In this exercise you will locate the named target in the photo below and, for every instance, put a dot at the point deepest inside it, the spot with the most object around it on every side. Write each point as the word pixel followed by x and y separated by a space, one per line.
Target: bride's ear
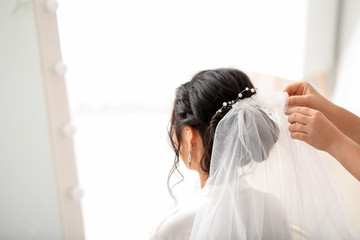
pixel 189 137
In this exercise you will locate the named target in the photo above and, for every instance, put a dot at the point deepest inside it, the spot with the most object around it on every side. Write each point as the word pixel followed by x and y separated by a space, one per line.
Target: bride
pixel 257 182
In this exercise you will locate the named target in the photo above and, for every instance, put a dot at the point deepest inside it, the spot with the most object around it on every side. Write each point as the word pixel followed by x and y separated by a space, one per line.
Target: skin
pixel 303 94
pixel 325 126
pixel 192 140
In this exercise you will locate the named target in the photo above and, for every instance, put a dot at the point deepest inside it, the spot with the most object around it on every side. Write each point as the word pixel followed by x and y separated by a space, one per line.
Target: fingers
pixel 301 100
pixel 297 127
pixel 298 118
pixel 300 136
pixel 303 110
pixel 296 88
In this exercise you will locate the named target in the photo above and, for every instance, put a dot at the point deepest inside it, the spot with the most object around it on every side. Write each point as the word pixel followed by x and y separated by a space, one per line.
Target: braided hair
pixel 196 105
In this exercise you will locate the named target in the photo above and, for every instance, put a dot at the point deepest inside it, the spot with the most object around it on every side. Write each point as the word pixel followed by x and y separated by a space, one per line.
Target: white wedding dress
pixel 179 224
pixel 262 184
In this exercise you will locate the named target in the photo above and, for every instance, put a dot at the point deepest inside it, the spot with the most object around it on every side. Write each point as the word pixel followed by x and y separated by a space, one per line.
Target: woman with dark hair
pixel 257 183
pixel 195 117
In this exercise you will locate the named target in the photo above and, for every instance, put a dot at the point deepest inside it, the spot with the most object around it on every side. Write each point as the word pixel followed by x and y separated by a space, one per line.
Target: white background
pixel 125 60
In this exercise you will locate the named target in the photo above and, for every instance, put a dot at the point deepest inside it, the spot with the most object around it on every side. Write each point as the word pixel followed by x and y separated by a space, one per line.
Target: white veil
pixel 264 185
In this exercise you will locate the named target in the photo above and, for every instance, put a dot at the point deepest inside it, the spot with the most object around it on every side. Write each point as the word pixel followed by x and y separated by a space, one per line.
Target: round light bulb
pixel 68 130
pixel 52 5
pixel 60 68
pixel 76 193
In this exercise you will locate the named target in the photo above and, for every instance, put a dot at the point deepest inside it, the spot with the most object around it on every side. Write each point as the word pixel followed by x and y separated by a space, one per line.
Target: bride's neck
pixel 203 178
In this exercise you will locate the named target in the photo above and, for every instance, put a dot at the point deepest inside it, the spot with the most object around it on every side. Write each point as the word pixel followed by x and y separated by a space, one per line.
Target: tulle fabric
pixel 264 185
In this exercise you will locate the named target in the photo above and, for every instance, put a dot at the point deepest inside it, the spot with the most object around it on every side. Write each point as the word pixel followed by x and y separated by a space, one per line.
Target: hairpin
pixel 230 103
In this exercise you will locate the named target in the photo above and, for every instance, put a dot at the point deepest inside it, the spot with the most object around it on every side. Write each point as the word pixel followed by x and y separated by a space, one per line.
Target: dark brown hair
pixel 196 104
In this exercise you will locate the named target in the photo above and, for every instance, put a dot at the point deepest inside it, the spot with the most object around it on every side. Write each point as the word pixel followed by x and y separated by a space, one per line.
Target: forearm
pixel 345 121
pixel 347 152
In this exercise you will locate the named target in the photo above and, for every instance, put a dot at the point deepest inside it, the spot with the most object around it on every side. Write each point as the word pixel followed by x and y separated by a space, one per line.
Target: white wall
pixel 29 208
pixel 321 29
pixel 346 92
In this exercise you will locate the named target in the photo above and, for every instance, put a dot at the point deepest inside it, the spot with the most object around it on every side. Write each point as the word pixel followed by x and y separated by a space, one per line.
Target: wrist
pixel 346 152
pixel 330 111
pixel 338 146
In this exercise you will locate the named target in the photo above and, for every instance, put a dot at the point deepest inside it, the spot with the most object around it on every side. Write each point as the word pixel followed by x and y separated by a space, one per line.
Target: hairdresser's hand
pixel 303 94
pixel 312 127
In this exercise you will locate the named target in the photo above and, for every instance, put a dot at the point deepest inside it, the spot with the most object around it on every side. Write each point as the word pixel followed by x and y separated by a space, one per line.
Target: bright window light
pixel 125 60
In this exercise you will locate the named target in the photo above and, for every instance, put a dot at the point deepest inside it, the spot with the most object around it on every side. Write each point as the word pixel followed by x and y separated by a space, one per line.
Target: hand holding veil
pixel 264 185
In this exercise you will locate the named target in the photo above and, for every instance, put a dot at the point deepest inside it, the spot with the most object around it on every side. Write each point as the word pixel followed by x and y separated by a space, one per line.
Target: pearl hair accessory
pixel 230 103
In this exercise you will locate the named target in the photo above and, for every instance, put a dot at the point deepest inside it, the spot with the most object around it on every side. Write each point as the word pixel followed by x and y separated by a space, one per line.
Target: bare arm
pixel 345 121
pixel 347 152
pixel 303 94
pixel 312 127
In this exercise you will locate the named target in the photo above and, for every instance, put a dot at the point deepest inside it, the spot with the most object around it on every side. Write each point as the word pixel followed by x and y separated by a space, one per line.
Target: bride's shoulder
pixel 177 225
pixel 268 200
